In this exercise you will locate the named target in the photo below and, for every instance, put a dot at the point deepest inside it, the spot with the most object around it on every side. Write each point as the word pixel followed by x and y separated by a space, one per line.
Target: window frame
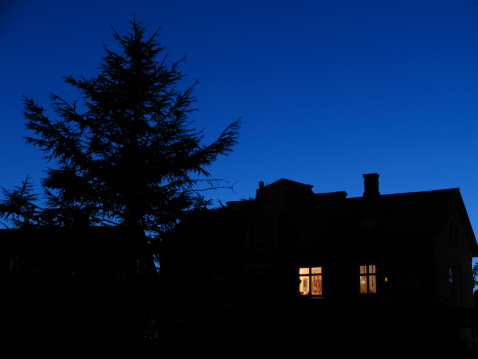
pixel 319 272
pixel 368 278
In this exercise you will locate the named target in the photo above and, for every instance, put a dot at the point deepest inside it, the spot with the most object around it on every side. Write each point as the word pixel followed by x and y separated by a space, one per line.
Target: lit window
pixel 368 279
pixel 310 281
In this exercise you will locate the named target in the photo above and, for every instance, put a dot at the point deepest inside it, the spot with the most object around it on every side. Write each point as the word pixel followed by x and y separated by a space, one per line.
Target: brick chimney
pixel 371 185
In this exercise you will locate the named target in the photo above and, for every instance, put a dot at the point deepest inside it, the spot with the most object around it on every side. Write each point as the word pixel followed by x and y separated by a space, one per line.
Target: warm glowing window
pixel 368 279
pixel 310 280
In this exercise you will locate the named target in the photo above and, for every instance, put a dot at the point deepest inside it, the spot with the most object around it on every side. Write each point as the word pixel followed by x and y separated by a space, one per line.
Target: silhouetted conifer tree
pixel 19 206
pixel 126 153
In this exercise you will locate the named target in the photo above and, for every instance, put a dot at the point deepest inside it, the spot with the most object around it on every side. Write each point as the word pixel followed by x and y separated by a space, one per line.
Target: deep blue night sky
pixel 328 90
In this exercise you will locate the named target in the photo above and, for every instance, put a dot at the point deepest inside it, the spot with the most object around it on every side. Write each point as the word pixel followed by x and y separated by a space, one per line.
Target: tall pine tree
pixel 129 154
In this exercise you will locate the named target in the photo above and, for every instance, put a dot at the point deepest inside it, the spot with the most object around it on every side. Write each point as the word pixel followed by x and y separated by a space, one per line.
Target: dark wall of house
pixel 236 268
pixel 452 251
pixel 64 293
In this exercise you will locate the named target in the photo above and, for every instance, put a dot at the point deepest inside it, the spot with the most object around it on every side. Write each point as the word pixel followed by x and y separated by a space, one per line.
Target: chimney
pixel 371 185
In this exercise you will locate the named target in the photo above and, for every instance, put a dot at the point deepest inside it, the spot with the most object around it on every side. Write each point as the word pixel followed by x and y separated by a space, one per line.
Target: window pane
pixel 363 284
pixel 317 285
pixel 373 284
pixel 304 271
pixel 310 284
pixel 368 279
pixel 304 285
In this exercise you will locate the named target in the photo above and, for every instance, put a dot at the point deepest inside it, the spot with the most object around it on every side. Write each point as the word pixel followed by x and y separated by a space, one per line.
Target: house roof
pixel 417 217
pixel 412 215
pixel 284 189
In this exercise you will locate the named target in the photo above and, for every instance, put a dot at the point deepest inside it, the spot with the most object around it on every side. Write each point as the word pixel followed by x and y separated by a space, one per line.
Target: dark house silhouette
pixel 303 274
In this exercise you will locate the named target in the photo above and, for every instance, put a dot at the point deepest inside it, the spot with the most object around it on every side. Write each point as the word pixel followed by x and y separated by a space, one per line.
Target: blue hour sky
pixel 328 89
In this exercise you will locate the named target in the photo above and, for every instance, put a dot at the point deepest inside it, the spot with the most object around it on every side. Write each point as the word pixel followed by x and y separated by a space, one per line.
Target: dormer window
pixel 310 281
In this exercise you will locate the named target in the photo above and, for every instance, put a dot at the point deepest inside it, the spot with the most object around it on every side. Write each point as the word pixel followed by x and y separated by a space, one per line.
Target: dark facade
pixel 304 273
pixel 67 292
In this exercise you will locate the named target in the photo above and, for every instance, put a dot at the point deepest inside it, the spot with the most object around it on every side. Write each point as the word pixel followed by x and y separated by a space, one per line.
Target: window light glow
pixel 368 279
pixel 304 271
pixel 310 281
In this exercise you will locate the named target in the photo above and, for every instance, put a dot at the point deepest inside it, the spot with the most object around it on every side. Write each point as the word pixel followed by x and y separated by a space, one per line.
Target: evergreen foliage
pixel 127 152
pixel 19 206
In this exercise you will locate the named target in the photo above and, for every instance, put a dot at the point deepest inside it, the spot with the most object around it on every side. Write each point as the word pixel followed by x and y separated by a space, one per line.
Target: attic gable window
pixel 310 281
pixel 368 279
